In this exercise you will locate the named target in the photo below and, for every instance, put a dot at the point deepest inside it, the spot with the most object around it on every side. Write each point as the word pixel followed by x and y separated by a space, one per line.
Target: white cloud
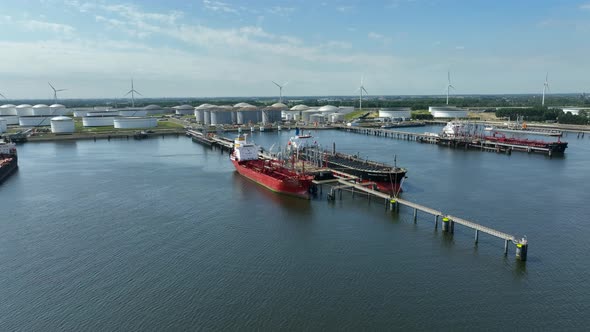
pixel 218 6
pixel 281 11
pixel 64 30
pixel 345 9
pixel 585 6
pixel 379 37
pixel 460 47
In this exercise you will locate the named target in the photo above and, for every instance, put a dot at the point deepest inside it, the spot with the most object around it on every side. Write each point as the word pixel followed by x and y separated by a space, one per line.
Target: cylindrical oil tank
pixel 251 116
pixel 24 110
pixel 447 112
pixel 336 117
pixel 220 116
pixel 10 119
pixel 132 112
pixel 62 125
pixel 198 115
pixel 3 125
pixel 98 121
pixel 58 109
pixel 395 112
pixel 318 117
pixel 8 109
pixel 135 122
pixel 41 110
pixel 307 114
pixel 34 121
pixel 206 117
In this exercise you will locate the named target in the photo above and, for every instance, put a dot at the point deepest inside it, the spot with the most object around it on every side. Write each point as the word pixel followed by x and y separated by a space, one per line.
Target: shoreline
pixel 102 135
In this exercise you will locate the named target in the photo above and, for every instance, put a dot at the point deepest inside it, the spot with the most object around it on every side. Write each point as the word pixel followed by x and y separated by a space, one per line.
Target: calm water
pixel 162 234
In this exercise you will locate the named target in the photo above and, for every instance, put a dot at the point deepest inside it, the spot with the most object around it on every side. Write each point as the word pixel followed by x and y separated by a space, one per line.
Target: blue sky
pixel 236 48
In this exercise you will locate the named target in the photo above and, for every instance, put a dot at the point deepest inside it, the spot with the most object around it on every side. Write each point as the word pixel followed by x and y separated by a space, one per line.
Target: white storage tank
pixel 34 121
pixel 8 109
pixel 98 121
pixel 336 117
pixel 318 117
pixel 62 125
pixel 184 109
pixel 395 112
pixel 10 119
pixel 198 115
pixel 58 109
pixel 81 112
pixel 131 112
pixel 447 112
pixel 41 110
pixel 135 122
pixel 3 125
pixel 345 109
pixel 306 115
pixel 220 116
pixel 206 117
pixel 328 109
pixel 24 110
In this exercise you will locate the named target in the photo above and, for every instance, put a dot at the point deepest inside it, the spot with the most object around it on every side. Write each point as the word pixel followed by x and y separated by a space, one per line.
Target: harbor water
pixel 162 234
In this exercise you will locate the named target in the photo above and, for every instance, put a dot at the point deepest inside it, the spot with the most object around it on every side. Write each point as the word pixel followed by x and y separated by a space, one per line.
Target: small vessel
pixel 270 173
pixel 557 146
pixel 385 178
pixel 8 160
pixel 301 134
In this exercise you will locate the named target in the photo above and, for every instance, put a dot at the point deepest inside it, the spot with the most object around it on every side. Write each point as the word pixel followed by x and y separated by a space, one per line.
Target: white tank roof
pixel 152 107
pixel 24 106
pixel 328 108
pixel 61 118
pixel 243 105
pixel 57 106
pixel 40 106
pixel 183 107
pixel 8 106
pixel 300 107
pixel 279 105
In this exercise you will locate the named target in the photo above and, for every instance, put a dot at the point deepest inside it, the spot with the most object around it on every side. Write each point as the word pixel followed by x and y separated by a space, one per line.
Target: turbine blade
pixel 276 84
pixel 127 93
pixel 3 96
pixel 365 90
pixel 51 86
pixel 452 87
pixel 285 84
pixel 60 90
pixel 137 92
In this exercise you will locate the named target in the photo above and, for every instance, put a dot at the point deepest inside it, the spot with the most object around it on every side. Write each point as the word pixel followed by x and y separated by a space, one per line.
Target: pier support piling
pixel 445 224
pixel 476 236
pixel 521 251
pixel 415 215
pixel 436 222
pixel 505 247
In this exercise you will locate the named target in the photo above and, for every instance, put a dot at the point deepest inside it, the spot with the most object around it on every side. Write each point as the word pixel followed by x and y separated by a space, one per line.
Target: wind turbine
pixel 280 90
pixel 133 92
pixel 361 89
pixel 449 85
pixel 3 96
pixel 545 88
pixel 55 91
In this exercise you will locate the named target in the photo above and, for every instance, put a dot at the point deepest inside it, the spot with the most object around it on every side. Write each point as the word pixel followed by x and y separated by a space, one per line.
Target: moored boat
pixel 8 160
pixel 270 173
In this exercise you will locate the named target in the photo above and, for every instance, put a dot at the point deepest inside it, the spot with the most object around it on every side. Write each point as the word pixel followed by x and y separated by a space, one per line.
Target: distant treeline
pixel 542 114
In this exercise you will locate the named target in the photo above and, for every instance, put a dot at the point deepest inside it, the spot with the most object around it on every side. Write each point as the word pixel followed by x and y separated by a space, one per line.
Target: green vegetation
pixel 422 115
pixel 79 128
pixel 542 114
pixel 354 115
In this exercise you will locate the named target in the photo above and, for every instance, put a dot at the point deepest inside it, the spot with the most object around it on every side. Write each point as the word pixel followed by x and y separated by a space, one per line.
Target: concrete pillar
pixel 415 214
pixel 505 247
pixel 445 224
pixel 476 235
pixel 436 222
pixel 452 226
pixel 521 251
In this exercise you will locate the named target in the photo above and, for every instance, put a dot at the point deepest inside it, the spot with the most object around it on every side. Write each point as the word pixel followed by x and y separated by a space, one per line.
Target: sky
pixel 207 48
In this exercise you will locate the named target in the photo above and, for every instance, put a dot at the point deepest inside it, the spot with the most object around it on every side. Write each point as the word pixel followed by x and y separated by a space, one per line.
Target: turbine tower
pixel 55 91
pixel 133 92
pixel 449 85
pixel 545 88
pixel 280 90
pixel 361 89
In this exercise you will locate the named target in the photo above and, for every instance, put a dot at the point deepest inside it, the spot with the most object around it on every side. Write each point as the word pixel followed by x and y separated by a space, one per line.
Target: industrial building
pixel 99 120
